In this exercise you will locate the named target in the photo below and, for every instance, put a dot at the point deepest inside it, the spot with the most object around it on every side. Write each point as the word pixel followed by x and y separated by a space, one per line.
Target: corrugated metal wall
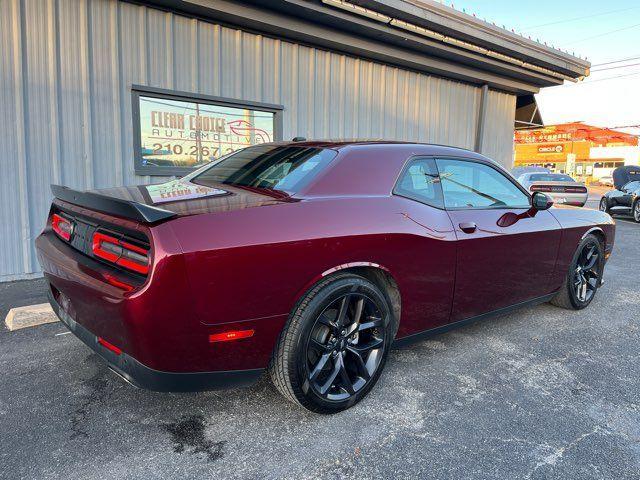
pixel 66 72
pixel 497 142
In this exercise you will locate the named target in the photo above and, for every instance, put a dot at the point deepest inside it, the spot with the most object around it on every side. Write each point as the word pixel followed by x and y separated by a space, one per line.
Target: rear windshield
pixel 550 177
pixel 284 168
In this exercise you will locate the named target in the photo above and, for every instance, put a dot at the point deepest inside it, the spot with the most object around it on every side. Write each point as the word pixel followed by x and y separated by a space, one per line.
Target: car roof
pixel 375 163
pixel 418 148
pixel 546 173
pixel 343 143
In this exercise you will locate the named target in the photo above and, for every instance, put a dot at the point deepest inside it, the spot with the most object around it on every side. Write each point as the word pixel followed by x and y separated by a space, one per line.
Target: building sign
pixel 542 136
pixel 177 134
pixel 542 153
pixel 550 149
pixel 575 132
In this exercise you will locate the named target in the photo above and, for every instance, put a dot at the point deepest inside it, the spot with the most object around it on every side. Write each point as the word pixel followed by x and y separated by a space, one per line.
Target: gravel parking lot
pixel 540 393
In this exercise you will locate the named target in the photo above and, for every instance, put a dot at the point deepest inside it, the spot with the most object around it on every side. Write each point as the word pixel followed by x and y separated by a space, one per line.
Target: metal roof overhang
pixel 316 24
pixel 433 14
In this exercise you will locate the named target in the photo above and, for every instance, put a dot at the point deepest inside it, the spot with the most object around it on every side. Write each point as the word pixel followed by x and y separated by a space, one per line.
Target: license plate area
pixel 66 312
pixel 82 236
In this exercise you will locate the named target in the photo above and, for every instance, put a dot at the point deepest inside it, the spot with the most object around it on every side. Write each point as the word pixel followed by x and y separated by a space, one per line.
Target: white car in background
pixel 606 181
pixel 559 186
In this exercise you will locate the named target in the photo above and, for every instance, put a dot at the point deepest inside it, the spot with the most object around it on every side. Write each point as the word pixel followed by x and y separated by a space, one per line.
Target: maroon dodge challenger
pixel 309 259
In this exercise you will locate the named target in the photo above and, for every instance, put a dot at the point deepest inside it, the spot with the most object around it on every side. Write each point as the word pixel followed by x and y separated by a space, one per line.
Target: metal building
pixel 74 76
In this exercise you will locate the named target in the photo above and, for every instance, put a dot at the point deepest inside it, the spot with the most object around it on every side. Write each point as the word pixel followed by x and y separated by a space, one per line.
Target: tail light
pixel 540 188
pixel 62 227
pixel 121 252
pixel 575 189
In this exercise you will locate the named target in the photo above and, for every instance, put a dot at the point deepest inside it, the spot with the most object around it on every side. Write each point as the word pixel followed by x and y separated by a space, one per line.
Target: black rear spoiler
pixel 115 206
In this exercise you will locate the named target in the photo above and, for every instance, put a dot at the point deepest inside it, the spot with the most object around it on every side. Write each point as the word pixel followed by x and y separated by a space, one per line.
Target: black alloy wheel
pixel 345 347
pixel 636 210
pixel 587 273
pixel 334 346
pixel 584 276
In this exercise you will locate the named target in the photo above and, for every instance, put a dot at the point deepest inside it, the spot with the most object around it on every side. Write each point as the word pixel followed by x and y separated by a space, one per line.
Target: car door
pixel 506 251
pixel 626 198
pixel 428 254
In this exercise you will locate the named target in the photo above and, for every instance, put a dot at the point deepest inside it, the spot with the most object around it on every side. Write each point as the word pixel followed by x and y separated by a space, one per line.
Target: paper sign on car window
pixel 180 190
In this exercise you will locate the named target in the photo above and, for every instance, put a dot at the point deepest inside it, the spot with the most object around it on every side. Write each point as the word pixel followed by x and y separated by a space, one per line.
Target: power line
pixel 575 19
pixel 614 77
pixel 624 126
pixel 614 67
pixel 599 80
pixel 615 61
pixel 604 34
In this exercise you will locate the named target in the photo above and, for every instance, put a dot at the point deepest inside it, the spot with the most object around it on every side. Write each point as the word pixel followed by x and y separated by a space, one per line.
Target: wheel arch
pixel 377 274
pixel 598 233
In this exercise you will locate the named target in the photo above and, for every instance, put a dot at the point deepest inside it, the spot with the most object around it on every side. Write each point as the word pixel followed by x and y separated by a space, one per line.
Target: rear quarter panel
pixel 256 263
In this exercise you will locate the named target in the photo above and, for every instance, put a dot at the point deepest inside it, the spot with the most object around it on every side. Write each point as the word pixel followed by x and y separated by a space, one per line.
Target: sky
pixel 602 32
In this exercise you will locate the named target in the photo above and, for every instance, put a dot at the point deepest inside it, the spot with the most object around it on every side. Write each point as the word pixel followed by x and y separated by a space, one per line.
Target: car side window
pixel 469 184
pixel 631 186
pixel 419 181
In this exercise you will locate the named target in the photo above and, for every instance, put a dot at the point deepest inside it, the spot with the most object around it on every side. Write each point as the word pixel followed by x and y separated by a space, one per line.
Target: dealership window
pixel 177 132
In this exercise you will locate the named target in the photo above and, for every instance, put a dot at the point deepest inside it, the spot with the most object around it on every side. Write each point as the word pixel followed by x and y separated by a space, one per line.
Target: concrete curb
pixel 29 316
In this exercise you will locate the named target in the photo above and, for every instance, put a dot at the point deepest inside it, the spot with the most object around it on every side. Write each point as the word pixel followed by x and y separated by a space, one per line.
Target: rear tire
pixel 335 344
pixel 636 211
pixel 584 276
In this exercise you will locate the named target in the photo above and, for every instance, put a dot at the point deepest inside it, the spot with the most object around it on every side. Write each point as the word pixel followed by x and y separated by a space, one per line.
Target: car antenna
pixel 298 139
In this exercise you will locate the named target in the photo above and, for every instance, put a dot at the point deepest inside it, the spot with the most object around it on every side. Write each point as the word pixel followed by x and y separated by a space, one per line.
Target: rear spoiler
pixel 115 206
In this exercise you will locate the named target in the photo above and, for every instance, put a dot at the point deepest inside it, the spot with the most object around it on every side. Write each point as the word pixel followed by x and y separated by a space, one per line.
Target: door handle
pixel 468 227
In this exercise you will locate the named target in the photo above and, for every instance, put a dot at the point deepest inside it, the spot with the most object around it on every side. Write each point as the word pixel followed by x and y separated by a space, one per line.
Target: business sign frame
pixel 143 167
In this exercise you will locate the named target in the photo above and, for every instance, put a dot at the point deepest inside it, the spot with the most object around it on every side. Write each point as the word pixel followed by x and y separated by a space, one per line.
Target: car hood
pixel 186 198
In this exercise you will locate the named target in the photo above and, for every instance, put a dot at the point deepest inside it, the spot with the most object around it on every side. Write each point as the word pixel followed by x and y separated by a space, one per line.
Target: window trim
pixel 138 91
pixel 403 170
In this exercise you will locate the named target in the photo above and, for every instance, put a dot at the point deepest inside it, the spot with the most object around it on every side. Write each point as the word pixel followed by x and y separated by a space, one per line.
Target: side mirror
pixel 541 201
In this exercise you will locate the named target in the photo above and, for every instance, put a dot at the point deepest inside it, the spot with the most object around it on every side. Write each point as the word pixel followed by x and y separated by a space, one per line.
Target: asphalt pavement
pixel 539 393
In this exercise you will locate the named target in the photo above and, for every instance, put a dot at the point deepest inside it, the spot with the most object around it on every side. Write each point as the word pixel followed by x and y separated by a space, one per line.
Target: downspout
pixel 482 114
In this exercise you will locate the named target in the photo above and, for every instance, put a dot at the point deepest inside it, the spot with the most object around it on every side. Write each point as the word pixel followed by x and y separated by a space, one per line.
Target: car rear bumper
pixel 153 325
pixel 142 376
pixel 575 199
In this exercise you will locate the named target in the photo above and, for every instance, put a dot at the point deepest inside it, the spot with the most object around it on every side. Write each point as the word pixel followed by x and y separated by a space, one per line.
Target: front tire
pixel 584 275
pixel 604 205
pixel 335 344
pixel 636 210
